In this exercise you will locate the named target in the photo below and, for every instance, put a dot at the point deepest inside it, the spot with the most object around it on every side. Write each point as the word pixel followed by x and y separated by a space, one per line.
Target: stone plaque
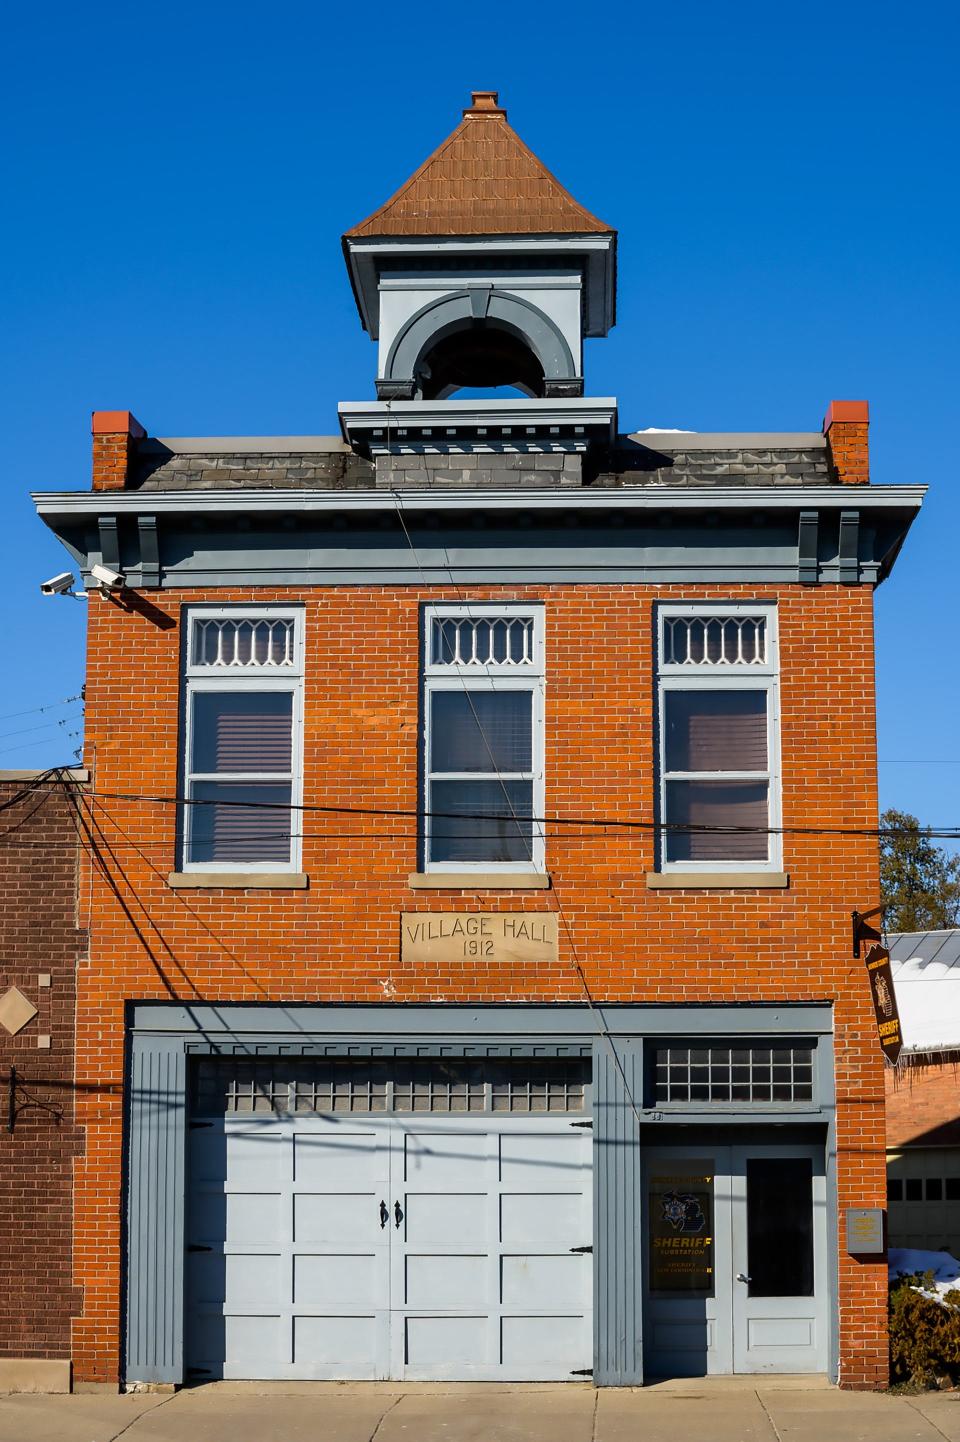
pixel 478 936
pixel 865 1231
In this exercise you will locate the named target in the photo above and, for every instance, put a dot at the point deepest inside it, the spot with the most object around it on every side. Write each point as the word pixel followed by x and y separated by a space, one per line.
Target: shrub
pixel 924 1335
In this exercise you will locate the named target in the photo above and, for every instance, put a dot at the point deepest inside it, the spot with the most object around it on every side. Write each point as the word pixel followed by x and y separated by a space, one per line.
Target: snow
pixel 906 1261
pixel 928 998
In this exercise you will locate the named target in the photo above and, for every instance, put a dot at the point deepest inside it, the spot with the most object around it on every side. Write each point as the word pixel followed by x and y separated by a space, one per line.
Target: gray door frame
pixel 163 1037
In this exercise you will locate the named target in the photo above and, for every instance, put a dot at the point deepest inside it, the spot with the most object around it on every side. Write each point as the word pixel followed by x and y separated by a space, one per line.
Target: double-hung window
pixel 242 734
pixel 719 738
pixel 483 737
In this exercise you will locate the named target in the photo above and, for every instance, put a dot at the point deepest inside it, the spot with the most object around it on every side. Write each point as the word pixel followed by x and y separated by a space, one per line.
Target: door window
pixel 681 1231
pixel 780 1226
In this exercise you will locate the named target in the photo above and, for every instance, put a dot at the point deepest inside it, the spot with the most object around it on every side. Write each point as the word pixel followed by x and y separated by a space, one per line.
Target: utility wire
pixel 50 706
pixel 601 822
pixel 595 1010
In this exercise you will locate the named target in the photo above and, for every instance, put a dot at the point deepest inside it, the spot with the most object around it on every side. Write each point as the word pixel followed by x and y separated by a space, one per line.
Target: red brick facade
pixel 923 1104
pixel 338 940
pixel 39 940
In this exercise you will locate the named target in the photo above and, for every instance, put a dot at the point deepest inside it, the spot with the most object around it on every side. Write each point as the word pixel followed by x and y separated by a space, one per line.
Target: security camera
pixel 109 580
pixel 57 585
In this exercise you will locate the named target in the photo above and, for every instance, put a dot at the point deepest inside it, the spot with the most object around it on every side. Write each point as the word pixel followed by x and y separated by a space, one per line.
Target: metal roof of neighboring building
pixel 483 180
pixel 926 977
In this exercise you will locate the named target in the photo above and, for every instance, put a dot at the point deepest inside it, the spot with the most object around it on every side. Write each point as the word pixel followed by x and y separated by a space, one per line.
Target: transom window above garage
pixel 518 1086
pixel 690 1073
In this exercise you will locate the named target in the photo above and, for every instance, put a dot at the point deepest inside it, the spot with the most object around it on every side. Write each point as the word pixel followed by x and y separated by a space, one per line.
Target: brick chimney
pixel 845 428
pixel 114 434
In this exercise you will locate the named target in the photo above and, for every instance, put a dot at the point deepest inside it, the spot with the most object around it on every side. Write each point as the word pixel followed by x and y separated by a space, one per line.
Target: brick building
pixel 923 1093
pixel 40 947
pixel 470 934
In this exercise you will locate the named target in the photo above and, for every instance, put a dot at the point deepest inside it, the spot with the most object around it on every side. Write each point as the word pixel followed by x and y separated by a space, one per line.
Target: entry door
pixel 779 1263
pixel 735 1269
pixel 686 1262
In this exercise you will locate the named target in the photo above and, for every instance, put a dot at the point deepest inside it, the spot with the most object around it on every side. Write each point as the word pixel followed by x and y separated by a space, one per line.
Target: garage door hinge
pixel 582 1372
pixel 581 1249
pixel 196 1126
pixel 581 1124
pixel 199 1249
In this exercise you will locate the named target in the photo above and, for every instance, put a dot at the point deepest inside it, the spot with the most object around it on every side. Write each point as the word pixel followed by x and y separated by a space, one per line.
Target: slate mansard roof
pixel 325 462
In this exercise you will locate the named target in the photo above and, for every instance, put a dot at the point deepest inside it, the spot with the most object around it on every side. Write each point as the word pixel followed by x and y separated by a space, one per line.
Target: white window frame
pixel 718 677
pixel 517 677
pixel 288 679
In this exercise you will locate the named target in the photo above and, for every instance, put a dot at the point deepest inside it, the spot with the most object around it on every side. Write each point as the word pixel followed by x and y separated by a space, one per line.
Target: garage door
pixel 418 1219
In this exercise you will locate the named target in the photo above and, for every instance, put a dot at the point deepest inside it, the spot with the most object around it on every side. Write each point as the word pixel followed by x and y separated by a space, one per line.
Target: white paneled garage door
pixel 404 1219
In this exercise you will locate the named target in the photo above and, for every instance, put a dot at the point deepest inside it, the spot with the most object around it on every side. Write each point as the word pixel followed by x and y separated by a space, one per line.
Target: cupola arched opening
pixel 477 354
pixel 480 337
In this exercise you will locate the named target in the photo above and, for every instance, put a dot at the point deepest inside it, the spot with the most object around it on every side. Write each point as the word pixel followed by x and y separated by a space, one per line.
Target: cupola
pixel 482 274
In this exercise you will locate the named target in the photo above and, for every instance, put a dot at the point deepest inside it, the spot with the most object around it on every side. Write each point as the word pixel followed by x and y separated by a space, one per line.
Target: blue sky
pixel 783 179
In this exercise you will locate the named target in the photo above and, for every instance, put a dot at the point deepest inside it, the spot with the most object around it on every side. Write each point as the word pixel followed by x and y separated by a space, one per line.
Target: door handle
pixel 397 1213
pixel 741 1277
pixel 384 1214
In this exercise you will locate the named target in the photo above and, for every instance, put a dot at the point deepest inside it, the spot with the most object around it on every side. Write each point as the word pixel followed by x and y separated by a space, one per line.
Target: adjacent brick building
pixel 923 1094
pixel 40 946
pixel 475 853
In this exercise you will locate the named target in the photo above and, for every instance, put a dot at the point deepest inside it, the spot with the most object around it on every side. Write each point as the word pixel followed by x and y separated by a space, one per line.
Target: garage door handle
pixel 397 1213
pixel 384 1214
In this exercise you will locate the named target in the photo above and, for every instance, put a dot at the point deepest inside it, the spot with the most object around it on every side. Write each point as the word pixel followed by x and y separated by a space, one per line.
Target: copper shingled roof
pixel 482 180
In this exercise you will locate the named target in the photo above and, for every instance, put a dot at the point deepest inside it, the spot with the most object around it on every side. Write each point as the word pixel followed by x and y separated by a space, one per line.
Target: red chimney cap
pixel 117 423
pixel 857 411
pixel 485 102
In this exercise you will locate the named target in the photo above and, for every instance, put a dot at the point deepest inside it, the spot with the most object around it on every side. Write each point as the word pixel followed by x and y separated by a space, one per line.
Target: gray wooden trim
pixel 808 542
pixel 109 541
pixel 266 1024
pixel 193 501
pixel 617 1199
pixel 848 561
pixel 149 550
pixel 420 331
pixel 156 1194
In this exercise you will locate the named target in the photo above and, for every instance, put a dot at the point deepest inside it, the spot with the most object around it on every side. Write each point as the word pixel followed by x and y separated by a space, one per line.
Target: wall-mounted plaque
pixel 450 936
pixel 865 1231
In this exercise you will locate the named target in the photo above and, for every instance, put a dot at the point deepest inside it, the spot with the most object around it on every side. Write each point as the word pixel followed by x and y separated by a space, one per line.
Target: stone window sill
pixel 715 880
pixel 479 881
pixel 238 880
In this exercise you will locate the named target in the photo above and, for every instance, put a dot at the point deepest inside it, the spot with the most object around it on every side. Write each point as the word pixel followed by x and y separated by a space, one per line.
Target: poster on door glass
pixel 681 1233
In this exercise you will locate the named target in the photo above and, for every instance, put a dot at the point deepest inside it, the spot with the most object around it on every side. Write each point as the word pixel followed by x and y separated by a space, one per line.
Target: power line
pixel 614 823
pixel 601 822
pixel 50 706
pixel 44 726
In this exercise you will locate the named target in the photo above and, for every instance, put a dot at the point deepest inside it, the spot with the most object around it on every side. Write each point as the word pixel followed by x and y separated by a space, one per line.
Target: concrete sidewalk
pixel 715 1410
